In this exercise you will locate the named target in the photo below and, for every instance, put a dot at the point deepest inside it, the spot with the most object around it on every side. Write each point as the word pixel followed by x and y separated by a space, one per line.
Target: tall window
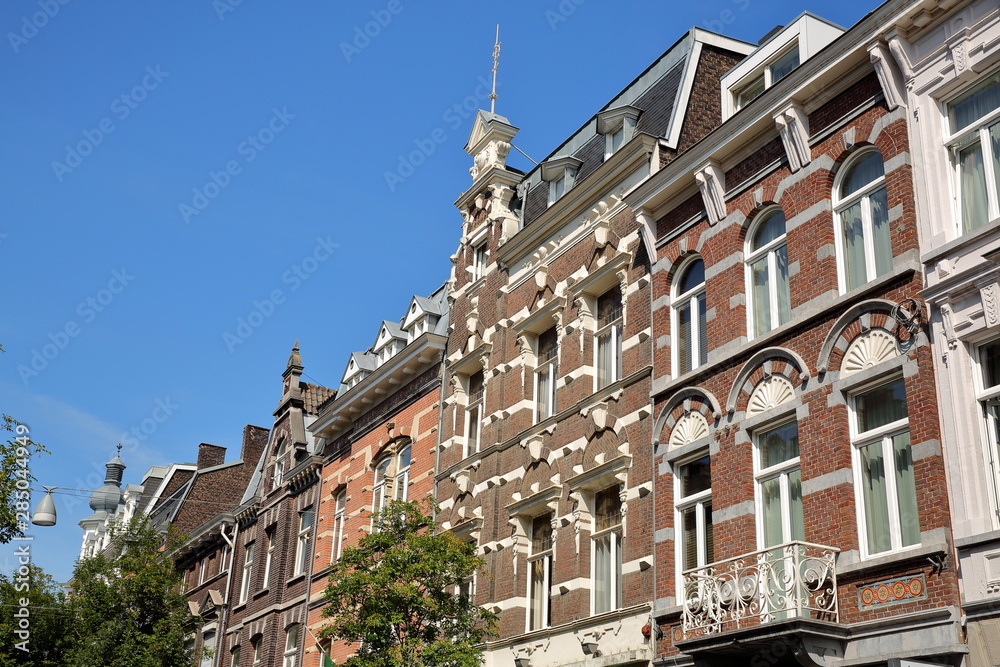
pixel 234 659
pixel 545 375
pixel 258 650
pixel 974 120
pixel 863 214
pixel 269 558
pixel 478 261
pixel 779 485
pixel 339 518
pixel 767 273
pixel 202 568
pixel 988 393
pixel 278 470
pixel 884 469
pixel 690 330
pixel 302 543
pixel 247 572
pixel 607 538
pixel 208 647
pixel 392 478
pixel 540 572
pixel 609 337
pixel 291 655
pixel 693 493
pixel 474 414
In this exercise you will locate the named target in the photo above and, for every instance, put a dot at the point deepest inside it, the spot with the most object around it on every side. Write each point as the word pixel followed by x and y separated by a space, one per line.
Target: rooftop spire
pixel 496 63
pixel 295 359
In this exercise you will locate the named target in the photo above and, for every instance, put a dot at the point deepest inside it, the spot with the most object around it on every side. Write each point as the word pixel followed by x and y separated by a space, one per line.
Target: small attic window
pixel 774 71
pixel 560 173
pixel 618 127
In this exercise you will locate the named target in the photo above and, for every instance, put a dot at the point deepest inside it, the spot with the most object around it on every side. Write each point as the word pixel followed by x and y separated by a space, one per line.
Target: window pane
pixel 769 230
pixel 541 533
pixel 975 104
pixel 608 508
pixel 547 345
pixel 784 65
pixel 605 352
pixel 709 537
pixel 880 406
pixel 750 92
pixel 798 530
pixel 689 537
pixel 875 498
pixel 702 331
pixel 989 361
pixel 779 445
pixel 476 386
pixel 771 498
pixel 854 247
pixel 609 307
pixel 906 490
pixel 972 176
pixel 784 296
pixel 761 297
pixel 862 172
pixel 544 393
pixel 473 429
pixel 602 574
pixel 881 234
pixel 539 596
pixel 696 477
pixel 684 339
pixel 693 277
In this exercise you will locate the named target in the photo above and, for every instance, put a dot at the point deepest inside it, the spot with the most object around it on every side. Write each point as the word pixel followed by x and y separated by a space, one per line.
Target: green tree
pixel 34 619
pixel 15 478
pixel 127 608
pixel 398 595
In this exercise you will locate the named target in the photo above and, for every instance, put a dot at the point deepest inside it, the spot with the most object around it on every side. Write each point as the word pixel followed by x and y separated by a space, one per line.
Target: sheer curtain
pixel 880 232
pixel 972 175
pixel 684 338
pixel 875 498
pixel 906 490
pixel 784 297
pixel 702 331
pixel 854 246
pixel 761 298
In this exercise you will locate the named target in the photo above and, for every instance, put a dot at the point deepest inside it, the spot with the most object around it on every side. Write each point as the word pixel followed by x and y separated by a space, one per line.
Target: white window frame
pixel 766 74
pixel 544 555
pixel 479 260
pixel 612 534
pixel 257 652
pixel 768 251
pixel 339 522
pixel 842 204
pixel 248 555
pixel 208 652
pixel 392 479
pixel 612 329
pixel 782 471
pixel 269 558
pixel 883 434
pixel 202 566
pixel 474 415
pixel 986 398
pixel 957 140
pixel 234 657
pixel 278 467
pixel 687 300
pixel 290 657
pixel 550 368
pixel 697 501
pixel 306 519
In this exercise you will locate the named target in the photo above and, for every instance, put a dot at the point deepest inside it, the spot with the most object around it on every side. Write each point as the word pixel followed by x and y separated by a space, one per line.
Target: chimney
pixel 254 443
pixel 210 455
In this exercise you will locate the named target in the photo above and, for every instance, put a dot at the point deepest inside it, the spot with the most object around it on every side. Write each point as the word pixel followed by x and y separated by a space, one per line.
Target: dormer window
pixel 560 174
pixel 618 126
pixel 773 72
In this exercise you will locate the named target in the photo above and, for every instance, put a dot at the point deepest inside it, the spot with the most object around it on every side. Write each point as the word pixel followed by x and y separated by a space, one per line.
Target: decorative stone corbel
pixel 889 75
pixel 500 210
pixel 898 47
pixel 712 184
pixel 793 126
pixel 990 295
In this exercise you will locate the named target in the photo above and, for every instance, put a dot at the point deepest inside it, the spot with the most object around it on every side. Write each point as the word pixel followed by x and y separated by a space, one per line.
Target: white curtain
pixel 761 298
pixel 975 209
pixel 702 331
pixel 875 498
pixel 684 338
pixel 906 490
pixel 880 232
pixel 854 246
pixel 784 297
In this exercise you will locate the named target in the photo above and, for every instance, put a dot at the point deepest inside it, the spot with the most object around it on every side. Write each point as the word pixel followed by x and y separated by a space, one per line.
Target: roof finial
pixel 294 359
pixel 119 449
pixel 496 63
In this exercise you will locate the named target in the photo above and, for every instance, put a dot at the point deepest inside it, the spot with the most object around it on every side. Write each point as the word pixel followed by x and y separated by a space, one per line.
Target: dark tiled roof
pixel 313 396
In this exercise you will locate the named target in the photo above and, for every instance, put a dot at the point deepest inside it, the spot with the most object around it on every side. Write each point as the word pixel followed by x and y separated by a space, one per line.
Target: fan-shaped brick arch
pixel 539 475
pixel 857 321
pixel 686 401
pixel 768 363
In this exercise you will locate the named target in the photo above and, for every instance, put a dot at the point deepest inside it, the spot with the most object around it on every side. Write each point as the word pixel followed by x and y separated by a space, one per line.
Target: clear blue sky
pixel 123 287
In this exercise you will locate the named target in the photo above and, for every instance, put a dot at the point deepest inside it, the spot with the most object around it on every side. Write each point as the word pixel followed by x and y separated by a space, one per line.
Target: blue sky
pixel 174 169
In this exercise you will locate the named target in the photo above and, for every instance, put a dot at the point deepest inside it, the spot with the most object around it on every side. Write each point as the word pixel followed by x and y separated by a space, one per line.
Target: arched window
pixel 339 518
pixel 767 273
pixel 392 478
pixel 278 470
pixel 862 221
pixel 690 342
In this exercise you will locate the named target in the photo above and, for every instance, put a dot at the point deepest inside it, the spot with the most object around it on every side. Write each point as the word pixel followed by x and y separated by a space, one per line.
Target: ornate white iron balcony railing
pixel 791 580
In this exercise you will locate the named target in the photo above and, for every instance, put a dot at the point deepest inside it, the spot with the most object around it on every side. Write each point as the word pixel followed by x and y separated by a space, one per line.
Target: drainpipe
pixel 651 244
pixel 225 600
pixel 437 446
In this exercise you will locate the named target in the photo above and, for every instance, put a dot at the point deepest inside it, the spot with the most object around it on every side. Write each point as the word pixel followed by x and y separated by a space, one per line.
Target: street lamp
pixel 45 513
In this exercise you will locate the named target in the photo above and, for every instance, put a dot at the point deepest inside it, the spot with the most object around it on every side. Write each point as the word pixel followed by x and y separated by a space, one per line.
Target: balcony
pixel 788 582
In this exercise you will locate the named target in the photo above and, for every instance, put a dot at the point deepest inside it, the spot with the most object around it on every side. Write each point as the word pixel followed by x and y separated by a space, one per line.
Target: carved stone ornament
pixel 990 295
pixel 770 393
pixel 793 126
pixel 889 75
pixel 869 349
pixel 692 426
pixel 712 185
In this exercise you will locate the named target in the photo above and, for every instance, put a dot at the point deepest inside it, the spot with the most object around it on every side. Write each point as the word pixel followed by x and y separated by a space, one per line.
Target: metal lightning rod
pixel 496 63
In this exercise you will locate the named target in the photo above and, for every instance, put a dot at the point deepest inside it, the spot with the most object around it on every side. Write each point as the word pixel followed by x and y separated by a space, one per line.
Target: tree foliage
pixel 127 608
pixel 35 619
pixel 398 594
